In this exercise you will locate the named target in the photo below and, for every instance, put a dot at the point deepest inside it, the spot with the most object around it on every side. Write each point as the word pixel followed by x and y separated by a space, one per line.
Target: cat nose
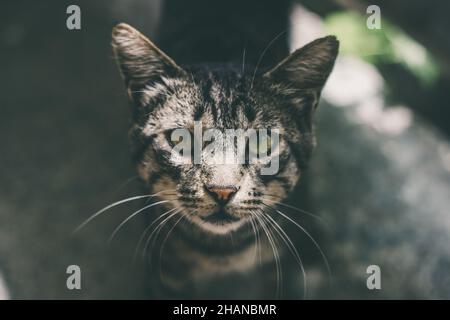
pixel 222 194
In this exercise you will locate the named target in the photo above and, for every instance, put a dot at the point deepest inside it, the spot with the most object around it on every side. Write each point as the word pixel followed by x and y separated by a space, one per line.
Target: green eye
pixel 173 139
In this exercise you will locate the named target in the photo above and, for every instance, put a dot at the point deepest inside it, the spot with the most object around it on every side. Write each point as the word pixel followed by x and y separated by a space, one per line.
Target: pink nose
pixel 222 194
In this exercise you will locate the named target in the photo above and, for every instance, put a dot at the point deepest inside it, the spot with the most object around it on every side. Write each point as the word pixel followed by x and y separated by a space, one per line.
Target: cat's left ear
pixel 307 68
pixel 139 60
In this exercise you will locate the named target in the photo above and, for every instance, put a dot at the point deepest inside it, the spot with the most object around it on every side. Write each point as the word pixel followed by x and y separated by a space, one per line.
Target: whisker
pixel 262 55
pixel 309 236
pixel 144 233
pixel 124 184
pixel 252 222
pixel 169 193
pixel 133 215
pixel 243 60
pixel 82 225
pixel 315 216
pixel 157 230
pixel 165 240
pixel 259 242
pixel 287 240
pixel 275 254
pixel 280 290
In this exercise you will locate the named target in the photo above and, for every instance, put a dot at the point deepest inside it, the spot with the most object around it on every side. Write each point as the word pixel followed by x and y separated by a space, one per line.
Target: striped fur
pixel 165 96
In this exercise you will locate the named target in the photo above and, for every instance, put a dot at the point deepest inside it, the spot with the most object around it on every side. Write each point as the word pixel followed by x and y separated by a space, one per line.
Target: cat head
pixel 220 197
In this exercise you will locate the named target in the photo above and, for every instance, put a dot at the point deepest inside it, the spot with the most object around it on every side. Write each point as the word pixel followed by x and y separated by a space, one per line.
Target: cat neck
pixel 183 266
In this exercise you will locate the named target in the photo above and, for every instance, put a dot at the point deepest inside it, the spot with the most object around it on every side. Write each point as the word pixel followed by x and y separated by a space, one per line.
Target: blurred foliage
pixel 387 45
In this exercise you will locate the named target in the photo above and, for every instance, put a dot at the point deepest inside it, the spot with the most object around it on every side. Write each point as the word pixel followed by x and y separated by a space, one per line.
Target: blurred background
pixel 64 150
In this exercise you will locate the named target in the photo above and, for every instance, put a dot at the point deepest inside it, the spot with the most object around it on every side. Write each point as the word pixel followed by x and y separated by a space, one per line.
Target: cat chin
pixel 218 228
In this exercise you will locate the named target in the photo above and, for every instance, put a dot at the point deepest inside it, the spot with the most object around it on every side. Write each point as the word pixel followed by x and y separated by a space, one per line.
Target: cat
pixel 382 197
pixel 215 212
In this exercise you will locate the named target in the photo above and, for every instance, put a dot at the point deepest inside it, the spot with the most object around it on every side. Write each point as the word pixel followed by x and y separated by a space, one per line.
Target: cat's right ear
pixel 139 60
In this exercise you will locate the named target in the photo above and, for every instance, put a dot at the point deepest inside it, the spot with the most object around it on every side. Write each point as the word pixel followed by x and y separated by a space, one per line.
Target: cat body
pixel 375 198
pixel 235 75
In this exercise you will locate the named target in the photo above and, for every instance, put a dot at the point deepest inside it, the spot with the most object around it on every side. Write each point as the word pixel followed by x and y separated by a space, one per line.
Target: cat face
pixel 218 197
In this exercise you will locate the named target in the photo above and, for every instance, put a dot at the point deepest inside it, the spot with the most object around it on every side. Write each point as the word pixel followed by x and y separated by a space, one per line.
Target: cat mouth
pixel 219 222
pixel 220 217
